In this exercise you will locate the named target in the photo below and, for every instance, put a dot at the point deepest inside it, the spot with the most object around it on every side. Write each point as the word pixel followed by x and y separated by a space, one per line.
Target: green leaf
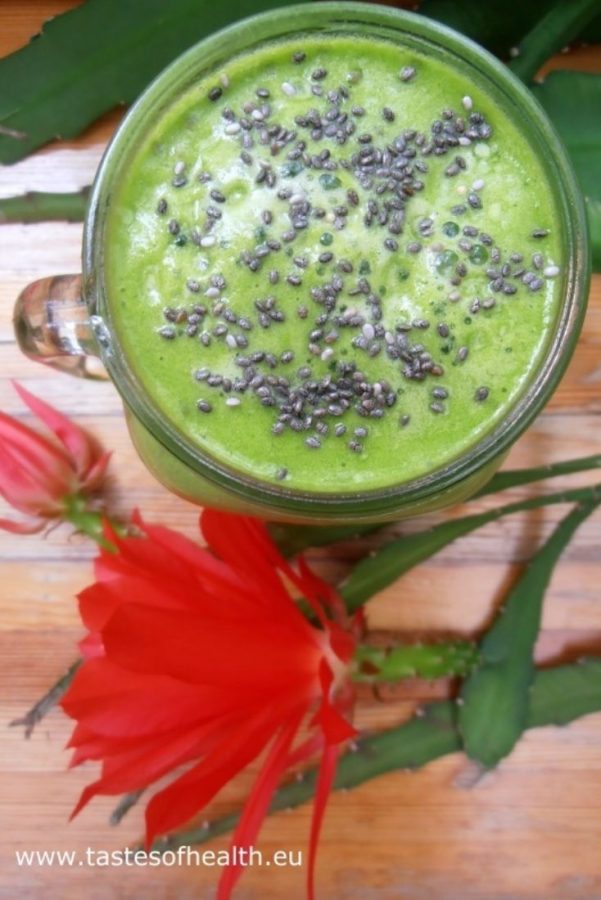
pixel 564 693
pixel 127 802
pixel 293 539
pixel 96 56
pixel 558 696
pixel 50 699
pixel 511 478
pixel 40 207
pixel 558 27
pixel 388 563
pixel 496 696
pixel 445 659
pixel 572 101
pixel 496 24
pixel 592 33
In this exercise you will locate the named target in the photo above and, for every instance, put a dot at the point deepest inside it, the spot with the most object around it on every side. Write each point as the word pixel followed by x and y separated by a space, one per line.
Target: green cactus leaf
pixel 96 56
pixel 511 478
pixel 496 696
pixel 558 27
pixel 564 693
pixel 444 659
pixel 497 24
pixel 37 206
pixel 293 539
pixel 382 568
pixel 572 100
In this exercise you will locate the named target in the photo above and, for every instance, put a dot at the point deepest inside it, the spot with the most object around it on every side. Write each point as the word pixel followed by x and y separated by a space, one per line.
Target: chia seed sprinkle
pixel 387 172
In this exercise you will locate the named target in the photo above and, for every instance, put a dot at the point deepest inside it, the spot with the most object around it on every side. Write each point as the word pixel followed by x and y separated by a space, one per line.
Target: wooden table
pixel 531 829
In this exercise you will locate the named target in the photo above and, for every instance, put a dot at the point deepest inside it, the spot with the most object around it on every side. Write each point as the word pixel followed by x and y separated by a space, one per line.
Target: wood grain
pixel 531 829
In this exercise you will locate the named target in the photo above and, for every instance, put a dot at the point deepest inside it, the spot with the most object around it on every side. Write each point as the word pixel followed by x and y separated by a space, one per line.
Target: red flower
pixel 204 660
pixel 38 475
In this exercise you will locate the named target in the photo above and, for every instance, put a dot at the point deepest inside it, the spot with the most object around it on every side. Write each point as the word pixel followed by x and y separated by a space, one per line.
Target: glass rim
pixel 211 53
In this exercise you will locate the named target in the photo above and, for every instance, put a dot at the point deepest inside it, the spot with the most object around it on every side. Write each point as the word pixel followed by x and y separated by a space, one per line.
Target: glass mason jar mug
pixel 68 321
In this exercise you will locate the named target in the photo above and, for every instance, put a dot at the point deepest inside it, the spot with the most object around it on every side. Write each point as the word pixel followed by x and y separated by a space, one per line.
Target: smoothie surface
pixel 334 264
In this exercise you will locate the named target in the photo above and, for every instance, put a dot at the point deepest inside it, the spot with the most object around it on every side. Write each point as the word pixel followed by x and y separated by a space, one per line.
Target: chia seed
pixel 168 332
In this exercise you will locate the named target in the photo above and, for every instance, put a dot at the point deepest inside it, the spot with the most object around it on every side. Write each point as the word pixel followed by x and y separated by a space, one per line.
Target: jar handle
pixel 53 325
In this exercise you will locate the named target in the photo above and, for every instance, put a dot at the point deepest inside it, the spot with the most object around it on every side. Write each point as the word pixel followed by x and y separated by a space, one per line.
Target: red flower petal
pixel 257 804
pixel 190 793
pixel 244 544
pixel 95 475
pixel 113 702
pixel 33 451
pixel 325 780
pixel 82 448
pixel 173 562
pixel 228 652
pixel 27 491
pixel 149 761
pixel 31 527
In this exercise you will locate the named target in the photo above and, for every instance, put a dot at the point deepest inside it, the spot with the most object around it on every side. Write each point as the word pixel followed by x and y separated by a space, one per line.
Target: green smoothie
pixel 334 264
